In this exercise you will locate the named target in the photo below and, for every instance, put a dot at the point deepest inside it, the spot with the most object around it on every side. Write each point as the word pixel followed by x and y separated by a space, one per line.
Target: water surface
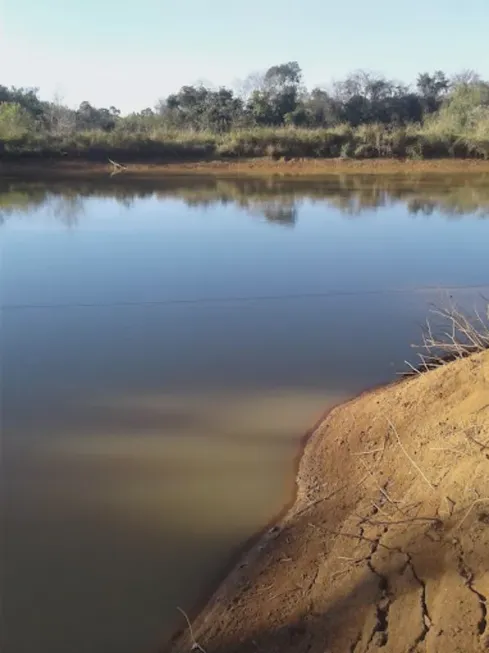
pixel 165 344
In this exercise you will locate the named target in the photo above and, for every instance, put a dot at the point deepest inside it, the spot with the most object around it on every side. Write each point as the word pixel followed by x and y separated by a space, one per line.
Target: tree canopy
pixel 277 97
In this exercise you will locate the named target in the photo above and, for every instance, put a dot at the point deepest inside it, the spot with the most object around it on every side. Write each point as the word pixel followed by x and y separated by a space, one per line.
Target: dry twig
pixel 413 463
pixel 195 645
pixel 117 166
pixel 381 489
pixel 472 505
pixel 463 337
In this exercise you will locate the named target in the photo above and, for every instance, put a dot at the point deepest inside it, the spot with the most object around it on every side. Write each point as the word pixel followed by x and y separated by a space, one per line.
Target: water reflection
pixel 165 344
pixel 275 200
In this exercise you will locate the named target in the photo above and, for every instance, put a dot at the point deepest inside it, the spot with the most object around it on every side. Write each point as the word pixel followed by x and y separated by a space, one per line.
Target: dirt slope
pixel 387 546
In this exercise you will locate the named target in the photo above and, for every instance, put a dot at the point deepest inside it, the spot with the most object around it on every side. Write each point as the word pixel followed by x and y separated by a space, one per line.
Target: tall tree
pixel 324 110
pixel 432 89
pixel 89 117
pixel 201 108
pixel 27 98
pixel 279 95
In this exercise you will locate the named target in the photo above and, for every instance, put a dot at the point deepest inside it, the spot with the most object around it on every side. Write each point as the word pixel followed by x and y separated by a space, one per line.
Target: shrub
pixel 15 122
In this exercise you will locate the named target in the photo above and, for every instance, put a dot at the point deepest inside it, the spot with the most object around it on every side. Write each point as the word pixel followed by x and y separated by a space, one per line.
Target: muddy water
pixel 164 346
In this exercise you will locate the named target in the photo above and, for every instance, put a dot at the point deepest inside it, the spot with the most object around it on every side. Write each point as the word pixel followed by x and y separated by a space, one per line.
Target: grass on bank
pixel 440 138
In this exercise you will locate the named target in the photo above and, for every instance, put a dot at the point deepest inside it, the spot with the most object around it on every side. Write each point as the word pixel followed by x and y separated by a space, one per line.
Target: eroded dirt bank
pixel 387 545
pixel 31 167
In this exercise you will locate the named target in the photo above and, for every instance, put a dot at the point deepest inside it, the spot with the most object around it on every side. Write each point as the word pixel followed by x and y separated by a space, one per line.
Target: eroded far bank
pixel 39 168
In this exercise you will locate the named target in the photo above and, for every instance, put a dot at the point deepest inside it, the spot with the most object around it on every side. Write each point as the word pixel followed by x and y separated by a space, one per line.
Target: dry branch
pixel 195 645
pixel 472 505
pixel 117 166
pixel 463 337
pixel 413 463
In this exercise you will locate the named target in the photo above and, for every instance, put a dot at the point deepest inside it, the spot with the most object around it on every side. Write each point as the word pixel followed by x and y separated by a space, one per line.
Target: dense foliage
pixel 274 114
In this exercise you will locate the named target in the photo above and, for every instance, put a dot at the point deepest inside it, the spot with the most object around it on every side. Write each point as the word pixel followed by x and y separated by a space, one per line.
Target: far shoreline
pixel 39 169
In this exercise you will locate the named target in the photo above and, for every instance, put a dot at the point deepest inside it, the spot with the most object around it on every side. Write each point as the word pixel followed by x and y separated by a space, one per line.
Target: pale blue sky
pixel 130 53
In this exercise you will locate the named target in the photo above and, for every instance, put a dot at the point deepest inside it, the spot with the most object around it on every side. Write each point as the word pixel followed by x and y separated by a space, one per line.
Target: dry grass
pixel 436 139
pixel 453 335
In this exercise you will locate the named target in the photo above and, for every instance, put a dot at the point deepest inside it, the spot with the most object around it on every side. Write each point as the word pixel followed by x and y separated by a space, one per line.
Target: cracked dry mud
pixel 386 547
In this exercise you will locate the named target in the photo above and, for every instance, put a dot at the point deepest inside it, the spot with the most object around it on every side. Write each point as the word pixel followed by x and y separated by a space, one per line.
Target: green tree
pixel 27 98
pixel 464 106
pixel 279 95
pixel 185 108
pixel 283 76
pixel 324 111
pixel 432 89
pixel 221 110
pixel 15 122
pixel 367 98
pixel 89 117
pixel 198 107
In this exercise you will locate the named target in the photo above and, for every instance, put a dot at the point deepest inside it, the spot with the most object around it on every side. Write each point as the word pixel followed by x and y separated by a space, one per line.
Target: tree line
pixel 276 98
pixel 272 115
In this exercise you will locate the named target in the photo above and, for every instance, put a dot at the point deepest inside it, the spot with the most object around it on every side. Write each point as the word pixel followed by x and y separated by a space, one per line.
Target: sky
pixel 129 54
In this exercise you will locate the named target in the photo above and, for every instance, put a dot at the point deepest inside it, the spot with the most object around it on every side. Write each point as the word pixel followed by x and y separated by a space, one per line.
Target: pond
pixel 166 343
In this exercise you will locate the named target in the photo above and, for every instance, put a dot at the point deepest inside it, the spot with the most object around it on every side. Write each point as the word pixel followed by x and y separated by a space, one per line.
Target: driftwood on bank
pixel 117 167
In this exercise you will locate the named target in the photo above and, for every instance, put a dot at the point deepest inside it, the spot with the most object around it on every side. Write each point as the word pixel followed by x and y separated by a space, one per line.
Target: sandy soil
pixel 387 545
pixel 263 166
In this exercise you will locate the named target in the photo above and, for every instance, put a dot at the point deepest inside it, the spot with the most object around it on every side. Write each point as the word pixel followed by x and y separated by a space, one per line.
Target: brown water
pixel 165 344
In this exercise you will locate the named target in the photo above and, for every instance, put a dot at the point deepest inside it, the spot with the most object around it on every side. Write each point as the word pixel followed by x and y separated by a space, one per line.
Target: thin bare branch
pixel 195 645
pixel 477 501
pixel 381 489
pixel 464 336
pixel 413 463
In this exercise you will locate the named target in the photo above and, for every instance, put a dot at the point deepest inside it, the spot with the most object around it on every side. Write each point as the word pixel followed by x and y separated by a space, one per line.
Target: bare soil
pixel 262 166
pixel 387 545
